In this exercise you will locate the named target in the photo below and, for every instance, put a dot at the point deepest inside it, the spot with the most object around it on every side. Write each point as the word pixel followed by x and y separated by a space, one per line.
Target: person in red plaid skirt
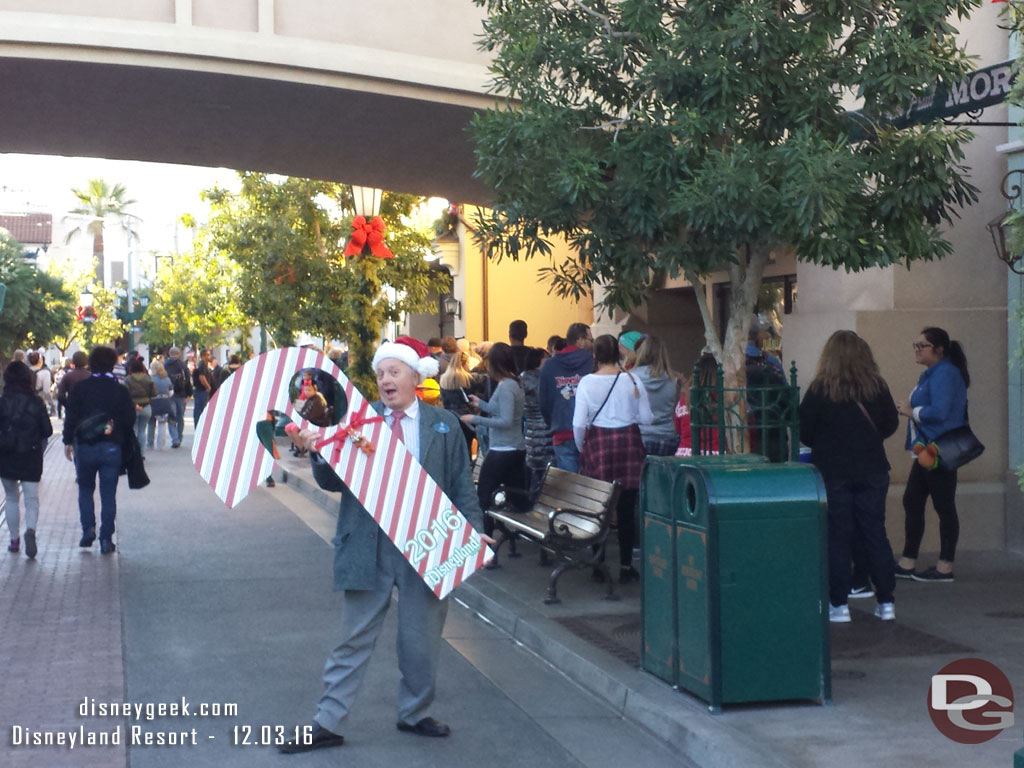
pixel 610 403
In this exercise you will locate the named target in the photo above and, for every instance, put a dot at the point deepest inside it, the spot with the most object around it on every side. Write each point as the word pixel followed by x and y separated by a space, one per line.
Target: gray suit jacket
pixel 443 454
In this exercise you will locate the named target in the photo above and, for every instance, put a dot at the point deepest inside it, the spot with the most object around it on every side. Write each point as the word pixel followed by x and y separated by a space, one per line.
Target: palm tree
pixel 100 204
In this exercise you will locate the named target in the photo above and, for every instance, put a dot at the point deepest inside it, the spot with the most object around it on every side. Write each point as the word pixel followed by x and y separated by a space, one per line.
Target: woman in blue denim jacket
pixel 937 405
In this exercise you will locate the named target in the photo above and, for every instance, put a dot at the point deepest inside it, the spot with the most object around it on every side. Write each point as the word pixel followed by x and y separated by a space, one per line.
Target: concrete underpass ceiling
pixel 200 118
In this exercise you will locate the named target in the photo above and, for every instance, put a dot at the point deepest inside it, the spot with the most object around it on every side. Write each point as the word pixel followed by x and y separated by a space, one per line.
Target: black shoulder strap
pixel 867 415
pixel 601 408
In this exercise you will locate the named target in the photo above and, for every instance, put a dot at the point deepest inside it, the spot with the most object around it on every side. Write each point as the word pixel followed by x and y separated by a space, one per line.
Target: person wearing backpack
pixel 100 417
pixel 181 387
pixel 24 429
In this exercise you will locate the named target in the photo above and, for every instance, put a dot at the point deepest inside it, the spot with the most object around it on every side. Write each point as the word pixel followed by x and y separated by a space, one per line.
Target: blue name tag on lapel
pixel 442 428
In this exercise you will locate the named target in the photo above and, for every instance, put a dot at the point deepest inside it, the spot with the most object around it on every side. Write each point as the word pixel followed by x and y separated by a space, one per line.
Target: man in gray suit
pixel 367 565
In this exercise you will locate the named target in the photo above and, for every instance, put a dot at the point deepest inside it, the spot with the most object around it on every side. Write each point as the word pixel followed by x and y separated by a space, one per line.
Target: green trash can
pixel 749 581
pixel 660 505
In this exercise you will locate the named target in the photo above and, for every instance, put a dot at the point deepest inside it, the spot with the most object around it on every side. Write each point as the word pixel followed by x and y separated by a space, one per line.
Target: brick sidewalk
pixel 61 637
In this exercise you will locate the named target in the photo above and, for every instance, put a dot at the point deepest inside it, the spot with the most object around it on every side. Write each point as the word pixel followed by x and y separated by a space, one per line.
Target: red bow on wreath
pixel 350 431
pixel 288 274
pixel 368 233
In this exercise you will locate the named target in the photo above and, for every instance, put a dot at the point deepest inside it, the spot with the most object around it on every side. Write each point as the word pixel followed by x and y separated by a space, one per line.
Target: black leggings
pixel 626 511
pixel 499 468
pixel 941 486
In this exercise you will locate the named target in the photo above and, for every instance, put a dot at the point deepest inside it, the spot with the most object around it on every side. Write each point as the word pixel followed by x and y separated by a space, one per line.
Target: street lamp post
pixel 999 226
pixel 366 201
pixel 369 318
pixel 451 308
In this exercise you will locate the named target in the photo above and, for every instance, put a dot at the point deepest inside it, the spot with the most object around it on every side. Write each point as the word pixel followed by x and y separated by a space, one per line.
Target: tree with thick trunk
pixel 660 137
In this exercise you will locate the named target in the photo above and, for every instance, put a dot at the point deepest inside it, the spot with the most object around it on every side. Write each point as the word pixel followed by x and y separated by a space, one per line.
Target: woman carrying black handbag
pixel 938 404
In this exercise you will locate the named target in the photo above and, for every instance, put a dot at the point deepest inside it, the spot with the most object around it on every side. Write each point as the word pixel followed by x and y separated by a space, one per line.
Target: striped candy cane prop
pixel 390 484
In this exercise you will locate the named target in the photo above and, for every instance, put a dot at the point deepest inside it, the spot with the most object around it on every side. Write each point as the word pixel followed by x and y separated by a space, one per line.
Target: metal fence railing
pixel 763 417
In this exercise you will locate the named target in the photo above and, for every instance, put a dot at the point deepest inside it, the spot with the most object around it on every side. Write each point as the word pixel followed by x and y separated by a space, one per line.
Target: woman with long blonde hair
pixel 654 371
pixel 457 383
pixel 458 373
pixel 845 416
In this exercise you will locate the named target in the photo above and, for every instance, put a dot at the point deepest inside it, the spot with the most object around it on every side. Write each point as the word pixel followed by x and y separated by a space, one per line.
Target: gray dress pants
pixel 421 619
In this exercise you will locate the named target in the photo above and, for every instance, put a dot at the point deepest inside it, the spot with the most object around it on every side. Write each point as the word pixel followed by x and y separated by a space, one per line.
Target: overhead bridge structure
pixel 372 92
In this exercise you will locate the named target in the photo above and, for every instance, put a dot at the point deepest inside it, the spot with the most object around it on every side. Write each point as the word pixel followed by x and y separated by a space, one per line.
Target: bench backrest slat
pixel 559 486
pixel 566 500
pixel 556 475
pixel 568 490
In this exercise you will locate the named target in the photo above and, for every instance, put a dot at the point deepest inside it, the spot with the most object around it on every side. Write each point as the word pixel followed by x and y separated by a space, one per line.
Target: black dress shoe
pixel 106 546
pixel 88 537
pixel 428 726
pixel 320 738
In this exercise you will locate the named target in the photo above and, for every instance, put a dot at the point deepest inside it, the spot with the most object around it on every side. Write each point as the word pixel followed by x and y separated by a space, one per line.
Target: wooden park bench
pixel 570 519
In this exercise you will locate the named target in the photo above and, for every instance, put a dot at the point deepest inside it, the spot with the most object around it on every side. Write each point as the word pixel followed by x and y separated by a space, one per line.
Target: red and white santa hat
pixel 412 352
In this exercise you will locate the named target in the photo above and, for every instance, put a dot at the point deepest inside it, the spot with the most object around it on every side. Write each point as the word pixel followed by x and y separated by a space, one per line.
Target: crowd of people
pixel 112 406
pixel 600 406
pixel 597 407
pixel 593 406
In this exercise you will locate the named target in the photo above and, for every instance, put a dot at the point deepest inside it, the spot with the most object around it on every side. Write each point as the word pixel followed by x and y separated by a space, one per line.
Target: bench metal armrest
pixel 509 498
pixel 601 518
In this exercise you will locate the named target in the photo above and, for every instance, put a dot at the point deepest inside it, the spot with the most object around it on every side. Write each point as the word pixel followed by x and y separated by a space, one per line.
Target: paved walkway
pixel 233 609
pixel 60 624
pixel 881 671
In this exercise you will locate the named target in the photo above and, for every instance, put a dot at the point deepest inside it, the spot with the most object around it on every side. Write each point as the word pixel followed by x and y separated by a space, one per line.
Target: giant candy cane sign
pixel 390 484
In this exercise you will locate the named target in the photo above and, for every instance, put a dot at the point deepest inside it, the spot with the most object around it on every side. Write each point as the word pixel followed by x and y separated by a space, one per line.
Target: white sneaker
pixel 839 614
pixel 885 611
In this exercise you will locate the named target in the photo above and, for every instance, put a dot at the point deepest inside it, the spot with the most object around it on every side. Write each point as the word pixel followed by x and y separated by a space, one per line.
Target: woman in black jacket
pixel 845 416
pixel 24 428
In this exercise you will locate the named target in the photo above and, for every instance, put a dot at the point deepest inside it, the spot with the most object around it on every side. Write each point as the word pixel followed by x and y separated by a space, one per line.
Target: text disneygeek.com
pixel 131 734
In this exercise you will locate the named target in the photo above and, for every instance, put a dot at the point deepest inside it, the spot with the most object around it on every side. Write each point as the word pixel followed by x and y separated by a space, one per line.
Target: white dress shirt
pixel 410 427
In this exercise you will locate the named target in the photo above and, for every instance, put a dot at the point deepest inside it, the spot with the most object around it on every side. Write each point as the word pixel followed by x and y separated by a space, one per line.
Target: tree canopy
pixel 193 301
pixel 288 237
pixel 665 137
pixel 104 327
pixel 37 306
